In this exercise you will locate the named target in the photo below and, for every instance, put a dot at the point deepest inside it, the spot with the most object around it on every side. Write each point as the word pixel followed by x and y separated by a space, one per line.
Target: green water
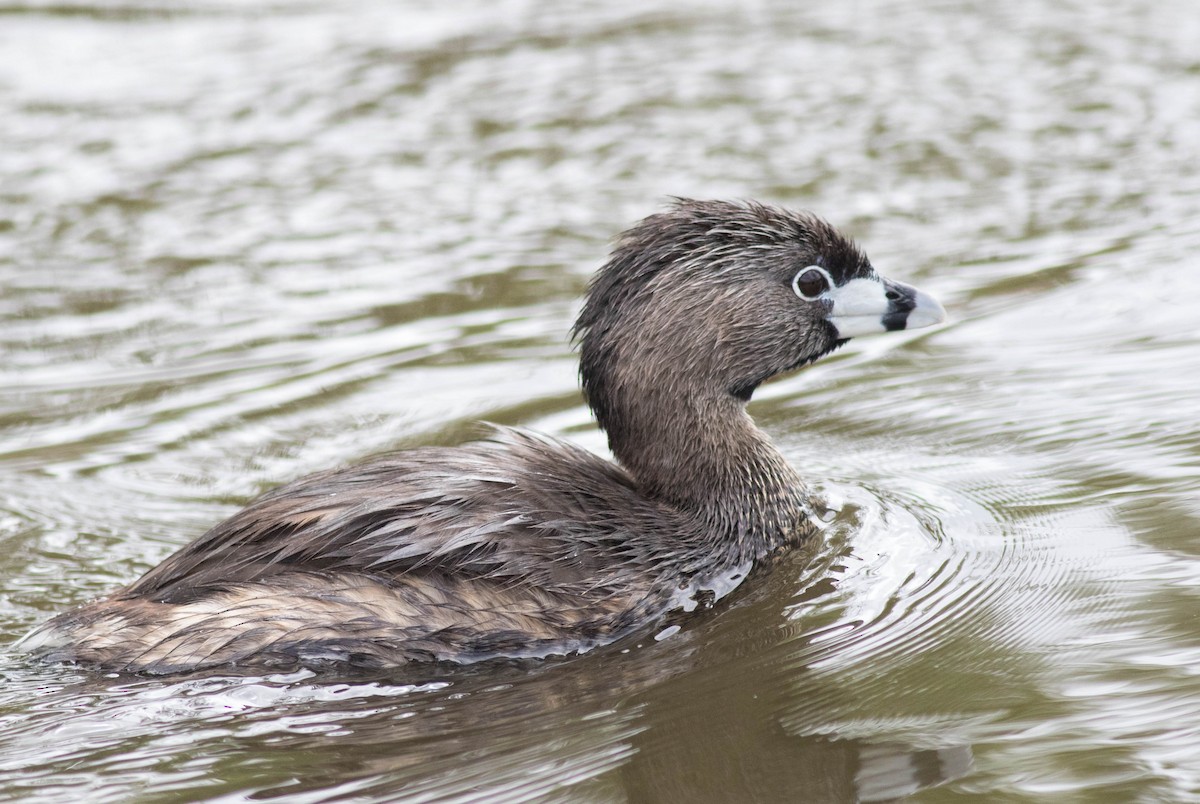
pixel 244 241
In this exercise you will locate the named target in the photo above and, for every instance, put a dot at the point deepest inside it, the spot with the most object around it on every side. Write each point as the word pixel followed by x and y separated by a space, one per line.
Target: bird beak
pixel 866 306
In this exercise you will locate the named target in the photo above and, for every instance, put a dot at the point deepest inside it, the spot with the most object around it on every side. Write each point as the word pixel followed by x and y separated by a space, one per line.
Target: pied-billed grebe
pixel 523 545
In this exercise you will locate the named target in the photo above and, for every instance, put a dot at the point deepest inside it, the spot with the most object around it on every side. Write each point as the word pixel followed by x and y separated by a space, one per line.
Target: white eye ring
pixel 802 272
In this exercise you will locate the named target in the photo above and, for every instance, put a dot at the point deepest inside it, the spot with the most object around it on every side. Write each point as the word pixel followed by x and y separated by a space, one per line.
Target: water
pixel 240 242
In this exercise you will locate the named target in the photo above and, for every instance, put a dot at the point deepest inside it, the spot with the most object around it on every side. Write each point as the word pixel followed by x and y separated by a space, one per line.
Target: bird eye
pixel 811 282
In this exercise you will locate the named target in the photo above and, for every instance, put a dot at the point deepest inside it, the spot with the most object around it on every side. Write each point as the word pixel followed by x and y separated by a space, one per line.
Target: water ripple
pixel 242 242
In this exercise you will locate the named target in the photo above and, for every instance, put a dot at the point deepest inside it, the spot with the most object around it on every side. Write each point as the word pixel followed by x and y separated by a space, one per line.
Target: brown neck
pixel 702 453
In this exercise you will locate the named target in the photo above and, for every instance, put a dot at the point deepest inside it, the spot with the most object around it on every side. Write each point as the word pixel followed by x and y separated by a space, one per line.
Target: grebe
pixel 523 545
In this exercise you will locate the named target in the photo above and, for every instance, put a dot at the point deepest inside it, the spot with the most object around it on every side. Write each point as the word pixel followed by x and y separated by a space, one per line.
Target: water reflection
pixel 240 244
pixel 646 721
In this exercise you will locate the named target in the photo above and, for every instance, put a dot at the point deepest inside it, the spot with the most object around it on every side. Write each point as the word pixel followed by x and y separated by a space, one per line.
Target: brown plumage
pixel 523 545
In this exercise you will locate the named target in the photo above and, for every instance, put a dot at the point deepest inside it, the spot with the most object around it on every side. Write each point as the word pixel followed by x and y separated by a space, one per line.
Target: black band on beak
pixel 902 300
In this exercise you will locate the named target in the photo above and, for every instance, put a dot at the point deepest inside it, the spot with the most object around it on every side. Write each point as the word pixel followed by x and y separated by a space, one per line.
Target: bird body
pixel 523 545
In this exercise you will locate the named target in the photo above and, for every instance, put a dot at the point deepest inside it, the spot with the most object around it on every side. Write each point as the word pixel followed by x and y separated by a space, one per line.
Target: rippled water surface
pixel 242 241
